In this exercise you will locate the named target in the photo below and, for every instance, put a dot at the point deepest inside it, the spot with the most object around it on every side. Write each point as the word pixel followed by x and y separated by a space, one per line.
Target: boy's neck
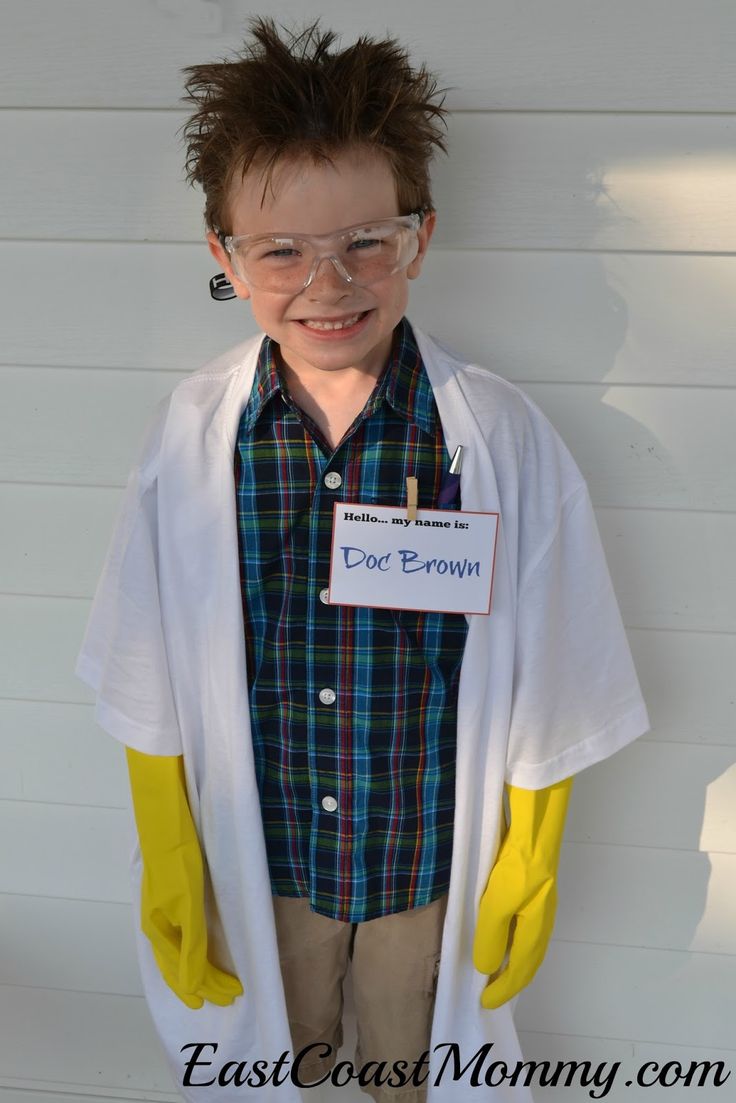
pixel 333 399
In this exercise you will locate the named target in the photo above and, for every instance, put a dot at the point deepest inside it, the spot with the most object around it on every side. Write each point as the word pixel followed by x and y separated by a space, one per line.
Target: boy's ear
pixel 222 258
pixel 425 233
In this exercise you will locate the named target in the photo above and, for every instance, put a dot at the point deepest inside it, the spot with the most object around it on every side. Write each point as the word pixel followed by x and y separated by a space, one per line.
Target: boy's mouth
pixel 329 325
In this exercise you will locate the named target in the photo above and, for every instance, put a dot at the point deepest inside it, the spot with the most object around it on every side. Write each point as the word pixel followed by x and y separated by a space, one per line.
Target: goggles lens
pixel 362 254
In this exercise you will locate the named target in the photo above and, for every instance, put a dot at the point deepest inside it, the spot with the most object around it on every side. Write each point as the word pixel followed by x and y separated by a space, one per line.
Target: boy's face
pixel 319 199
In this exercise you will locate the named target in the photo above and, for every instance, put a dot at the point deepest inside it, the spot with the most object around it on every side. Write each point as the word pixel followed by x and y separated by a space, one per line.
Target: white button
pixel 327 696
pixel 333 479
pixel 329 804
pixel 324 596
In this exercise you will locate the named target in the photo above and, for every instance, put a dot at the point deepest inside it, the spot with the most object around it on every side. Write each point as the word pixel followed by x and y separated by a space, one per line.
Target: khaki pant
pixel 395 962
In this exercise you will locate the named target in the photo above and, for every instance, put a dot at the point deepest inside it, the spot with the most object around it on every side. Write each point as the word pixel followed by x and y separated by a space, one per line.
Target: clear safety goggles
pixel 287 263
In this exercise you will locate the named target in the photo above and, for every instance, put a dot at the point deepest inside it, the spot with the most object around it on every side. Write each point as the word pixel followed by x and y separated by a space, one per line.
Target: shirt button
pixel 329 804
pixel 324 596
pixel 333 479
pixel 327 696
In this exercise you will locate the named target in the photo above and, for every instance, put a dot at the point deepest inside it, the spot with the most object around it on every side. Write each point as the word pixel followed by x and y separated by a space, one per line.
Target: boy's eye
pixel 365 243
pixel 272 249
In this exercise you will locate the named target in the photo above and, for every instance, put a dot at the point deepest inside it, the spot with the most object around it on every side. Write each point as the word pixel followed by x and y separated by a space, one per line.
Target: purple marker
pixel 451 481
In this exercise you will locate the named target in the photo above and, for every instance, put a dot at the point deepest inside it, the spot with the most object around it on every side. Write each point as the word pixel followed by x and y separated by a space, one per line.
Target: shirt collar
pixel 404 384
pixel 266 384
pixel 409 391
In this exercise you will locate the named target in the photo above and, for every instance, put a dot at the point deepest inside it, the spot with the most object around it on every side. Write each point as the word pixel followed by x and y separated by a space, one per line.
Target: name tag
pixel 442 562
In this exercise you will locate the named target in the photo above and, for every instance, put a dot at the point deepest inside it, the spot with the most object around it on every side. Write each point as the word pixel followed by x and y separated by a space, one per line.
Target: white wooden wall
pixel 585 249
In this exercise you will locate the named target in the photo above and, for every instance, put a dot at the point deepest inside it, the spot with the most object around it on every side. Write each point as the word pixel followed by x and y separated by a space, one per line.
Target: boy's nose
pixel 327 274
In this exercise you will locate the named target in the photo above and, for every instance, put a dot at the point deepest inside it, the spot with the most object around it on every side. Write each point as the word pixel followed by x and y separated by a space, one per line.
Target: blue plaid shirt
pixel 353 710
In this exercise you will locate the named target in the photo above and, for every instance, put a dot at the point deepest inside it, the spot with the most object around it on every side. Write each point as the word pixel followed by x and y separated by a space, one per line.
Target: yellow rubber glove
pixel 520 898
pixel 172 888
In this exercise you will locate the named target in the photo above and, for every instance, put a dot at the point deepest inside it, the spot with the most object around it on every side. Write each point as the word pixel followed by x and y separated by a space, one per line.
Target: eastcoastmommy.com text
pixel 480 1070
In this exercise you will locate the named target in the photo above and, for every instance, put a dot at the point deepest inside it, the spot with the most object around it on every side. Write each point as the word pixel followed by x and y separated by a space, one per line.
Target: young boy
pixel 317 784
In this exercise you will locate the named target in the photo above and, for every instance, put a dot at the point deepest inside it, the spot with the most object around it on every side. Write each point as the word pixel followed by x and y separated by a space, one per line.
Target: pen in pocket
pixel 451 481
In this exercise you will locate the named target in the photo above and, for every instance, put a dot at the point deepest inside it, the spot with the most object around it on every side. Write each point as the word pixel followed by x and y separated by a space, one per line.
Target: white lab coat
pixel 547 687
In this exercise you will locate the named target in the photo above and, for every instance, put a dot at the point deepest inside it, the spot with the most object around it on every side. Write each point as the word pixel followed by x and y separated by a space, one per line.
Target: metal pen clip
pixel 457 461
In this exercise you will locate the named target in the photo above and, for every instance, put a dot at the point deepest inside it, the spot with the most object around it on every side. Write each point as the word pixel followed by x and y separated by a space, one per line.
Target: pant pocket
pixel 432 973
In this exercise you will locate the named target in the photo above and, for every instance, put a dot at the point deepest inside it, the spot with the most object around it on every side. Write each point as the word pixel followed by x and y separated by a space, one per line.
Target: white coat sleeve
pixel 123 655
pixel 576 697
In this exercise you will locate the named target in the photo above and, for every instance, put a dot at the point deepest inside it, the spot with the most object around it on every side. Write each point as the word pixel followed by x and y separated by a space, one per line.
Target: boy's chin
pixel 315 356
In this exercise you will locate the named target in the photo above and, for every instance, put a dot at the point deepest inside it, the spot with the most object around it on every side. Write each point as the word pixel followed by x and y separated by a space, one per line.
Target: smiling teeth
pixel 333 325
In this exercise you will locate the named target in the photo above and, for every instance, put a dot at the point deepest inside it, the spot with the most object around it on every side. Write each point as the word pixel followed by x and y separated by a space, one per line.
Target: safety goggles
pixel 287 263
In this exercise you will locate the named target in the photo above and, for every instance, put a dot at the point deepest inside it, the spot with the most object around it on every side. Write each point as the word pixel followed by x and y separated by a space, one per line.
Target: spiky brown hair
pixel 298 100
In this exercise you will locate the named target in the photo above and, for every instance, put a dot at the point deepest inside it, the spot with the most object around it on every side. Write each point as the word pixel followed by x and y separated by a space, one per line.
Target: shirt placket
pixel 329 727
pixel 330 810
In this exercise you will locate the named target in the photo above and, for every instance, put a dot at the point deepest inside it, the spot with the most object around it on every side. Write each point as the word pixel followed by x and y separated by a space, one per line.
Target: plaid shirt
pixel 357 784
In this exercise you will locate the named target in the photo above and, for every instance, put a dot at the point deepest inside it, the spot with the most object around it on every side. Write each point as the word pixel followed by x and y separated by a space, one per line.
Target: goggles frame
pixel 221 288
